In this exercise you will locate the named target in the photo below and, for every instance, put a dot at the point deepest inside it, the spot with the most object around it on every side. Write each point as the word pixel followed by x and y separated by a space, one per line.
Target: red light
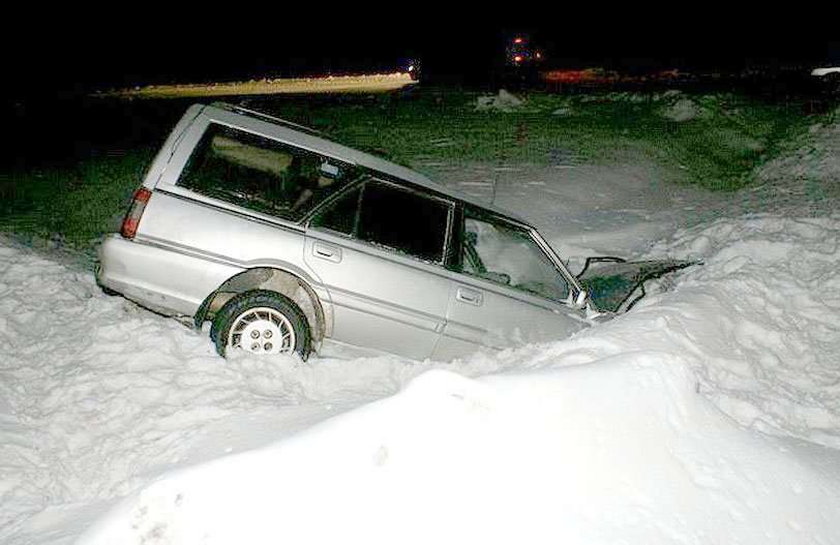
pixel 132 218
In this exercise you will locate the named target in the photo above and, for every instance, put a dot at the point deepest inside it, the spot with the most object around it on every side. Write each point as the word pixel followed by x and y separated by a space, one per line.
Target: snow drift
pixel 621 451
pixel 614 436
pixel 709 413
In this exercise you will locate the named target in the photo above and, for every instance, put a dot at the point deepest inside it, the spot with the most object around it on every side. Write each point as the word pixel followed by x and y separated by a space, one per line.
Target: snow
pixel 616 452
pixel 776 285
pixel 503 101
pixel 708 414
pixel 683 109
pixel 808 178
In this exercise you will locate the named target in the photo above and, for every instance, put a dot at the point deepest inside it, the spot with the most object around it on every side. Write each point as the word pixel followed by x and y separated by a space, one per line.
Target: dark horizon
pixel 143 51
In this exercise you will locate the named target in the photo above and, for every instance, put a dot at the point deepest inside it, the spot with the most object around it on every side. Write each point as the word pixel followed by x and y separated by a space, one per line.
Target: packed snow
pixel 503 101
pixel 710 413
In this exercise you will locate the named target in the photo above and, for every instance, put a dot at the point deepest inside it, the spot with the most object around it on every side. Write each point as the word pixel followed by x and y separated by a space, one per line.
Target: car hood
pixel 613 283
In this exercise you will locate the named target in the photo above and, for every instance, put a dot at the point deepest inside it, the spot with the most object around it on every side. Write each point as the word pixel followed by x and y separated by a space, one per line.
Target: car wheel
pixel 261 322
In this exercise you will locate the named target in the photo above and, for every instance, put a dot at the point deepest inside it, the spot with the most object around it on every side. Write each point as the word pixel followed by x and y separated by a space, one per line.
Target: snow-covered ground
pixel 708 414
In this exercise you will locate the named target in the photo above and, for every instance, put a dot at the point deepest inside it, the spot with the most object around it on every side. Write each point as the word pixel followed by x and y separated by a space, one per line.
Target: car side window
pixel 341 216
pixel 384 214
pixel 261 174
pixel 506 254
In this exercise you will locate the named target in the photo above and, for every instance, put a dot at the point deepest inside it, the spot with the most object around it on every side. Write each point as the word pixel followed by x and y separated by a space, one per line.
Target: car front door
pixel 379 248
pixel 507 290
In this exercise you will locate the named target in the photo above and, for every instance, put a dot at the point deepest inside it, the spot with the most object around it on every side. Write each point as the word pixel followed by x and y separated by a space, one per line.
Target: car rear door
pixel 507 291
pixel 379 248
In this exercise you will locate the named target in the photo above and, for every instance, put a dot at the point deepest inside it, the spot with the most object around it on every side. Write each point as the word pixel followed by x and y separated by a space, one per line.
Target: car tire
pixel 261 322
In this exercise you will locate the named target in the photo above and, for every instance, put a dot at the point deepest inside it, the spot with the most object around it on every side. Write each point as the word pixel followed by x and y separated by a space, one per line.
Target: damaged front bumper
pixel 614 284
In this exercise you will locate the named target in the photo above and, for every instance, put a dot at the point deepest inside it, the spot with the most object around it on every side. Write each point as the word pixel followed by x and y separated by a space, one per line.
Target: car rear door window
pixel 341 216
pixel 384 214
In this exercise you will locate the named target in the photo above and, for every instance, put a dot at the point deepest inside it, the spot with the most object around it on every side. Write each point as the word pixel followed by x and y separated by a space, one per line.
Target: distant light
pixel 539 55
pixel 517 40
pixel 411 68
pixel 517 58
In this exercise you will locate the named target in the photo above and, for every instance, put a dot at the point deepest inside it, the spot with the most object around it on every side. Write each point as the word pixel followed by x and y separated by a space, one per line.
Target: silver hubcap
pixel 262 330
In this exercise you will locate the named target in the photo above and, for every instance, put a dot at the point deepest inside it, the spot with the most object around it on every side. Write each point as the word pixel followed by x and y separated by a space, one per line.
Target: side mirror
pixel 580 300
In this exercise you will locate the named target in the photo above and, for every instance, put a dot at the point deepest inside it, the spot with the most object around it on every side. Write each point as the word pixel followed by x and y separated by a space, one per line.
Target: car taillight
pixel 135 212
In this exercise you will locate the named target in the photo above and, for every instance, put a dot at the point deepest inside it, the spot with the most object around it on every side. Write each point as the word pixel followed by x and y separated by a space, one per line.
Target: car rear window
pixel 261 174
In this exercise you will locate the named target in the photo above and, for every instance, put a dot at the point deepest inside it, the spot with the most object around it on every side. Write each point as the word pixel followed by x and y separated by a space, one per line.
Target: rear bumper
pixel 163 280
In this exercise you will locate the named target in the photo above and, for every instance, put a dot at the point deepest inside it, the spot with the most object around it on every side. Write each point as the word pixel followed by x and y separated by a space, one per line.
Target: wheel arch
pixel 277 280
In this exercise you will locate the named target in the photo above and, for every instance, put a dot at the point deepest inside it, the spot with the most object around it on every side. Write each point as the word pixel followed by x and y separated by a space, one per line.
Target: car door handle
pixel 471 297
pixel 326 251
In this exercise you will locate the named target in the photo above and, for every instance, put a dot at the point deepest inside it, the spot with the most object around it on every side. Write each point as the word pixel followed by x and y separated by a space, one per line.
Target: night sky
pixel 136 44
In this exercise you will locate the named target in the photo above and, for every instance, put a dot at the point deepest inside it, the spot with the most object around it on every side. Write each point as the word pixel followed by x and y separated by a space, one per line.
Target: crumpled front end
pixel 614 285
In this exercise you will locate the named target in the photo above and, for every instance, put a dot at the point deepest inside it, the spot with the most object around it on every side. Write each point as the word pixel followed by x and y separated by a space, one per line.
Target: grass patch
pixel 711 140
pixel 715 141
pixel 71 205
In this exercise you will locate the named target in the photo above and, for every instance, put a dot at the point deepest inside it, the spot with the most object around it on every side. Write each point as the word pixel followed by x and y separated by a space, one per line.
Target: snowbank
pixel 98 396
pixel 709 413
pixel 619 452
pixel 615 436
pixel 767 302
pixel 651 428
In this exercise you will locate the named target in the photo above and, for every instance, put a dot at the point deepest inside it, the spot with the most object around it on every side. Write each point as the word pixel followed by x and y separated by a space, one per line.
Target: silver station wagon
pixel 284 240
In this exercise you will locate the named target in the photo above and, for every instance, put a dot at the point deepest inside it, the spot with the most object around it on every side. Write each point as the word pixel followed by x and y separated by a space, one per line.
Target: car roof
pixel 316 141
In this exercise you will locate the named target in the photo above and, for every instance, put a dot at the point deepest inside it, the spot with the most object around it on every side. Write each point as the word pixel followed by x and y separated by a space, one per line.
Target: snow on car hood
pixel 612 282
